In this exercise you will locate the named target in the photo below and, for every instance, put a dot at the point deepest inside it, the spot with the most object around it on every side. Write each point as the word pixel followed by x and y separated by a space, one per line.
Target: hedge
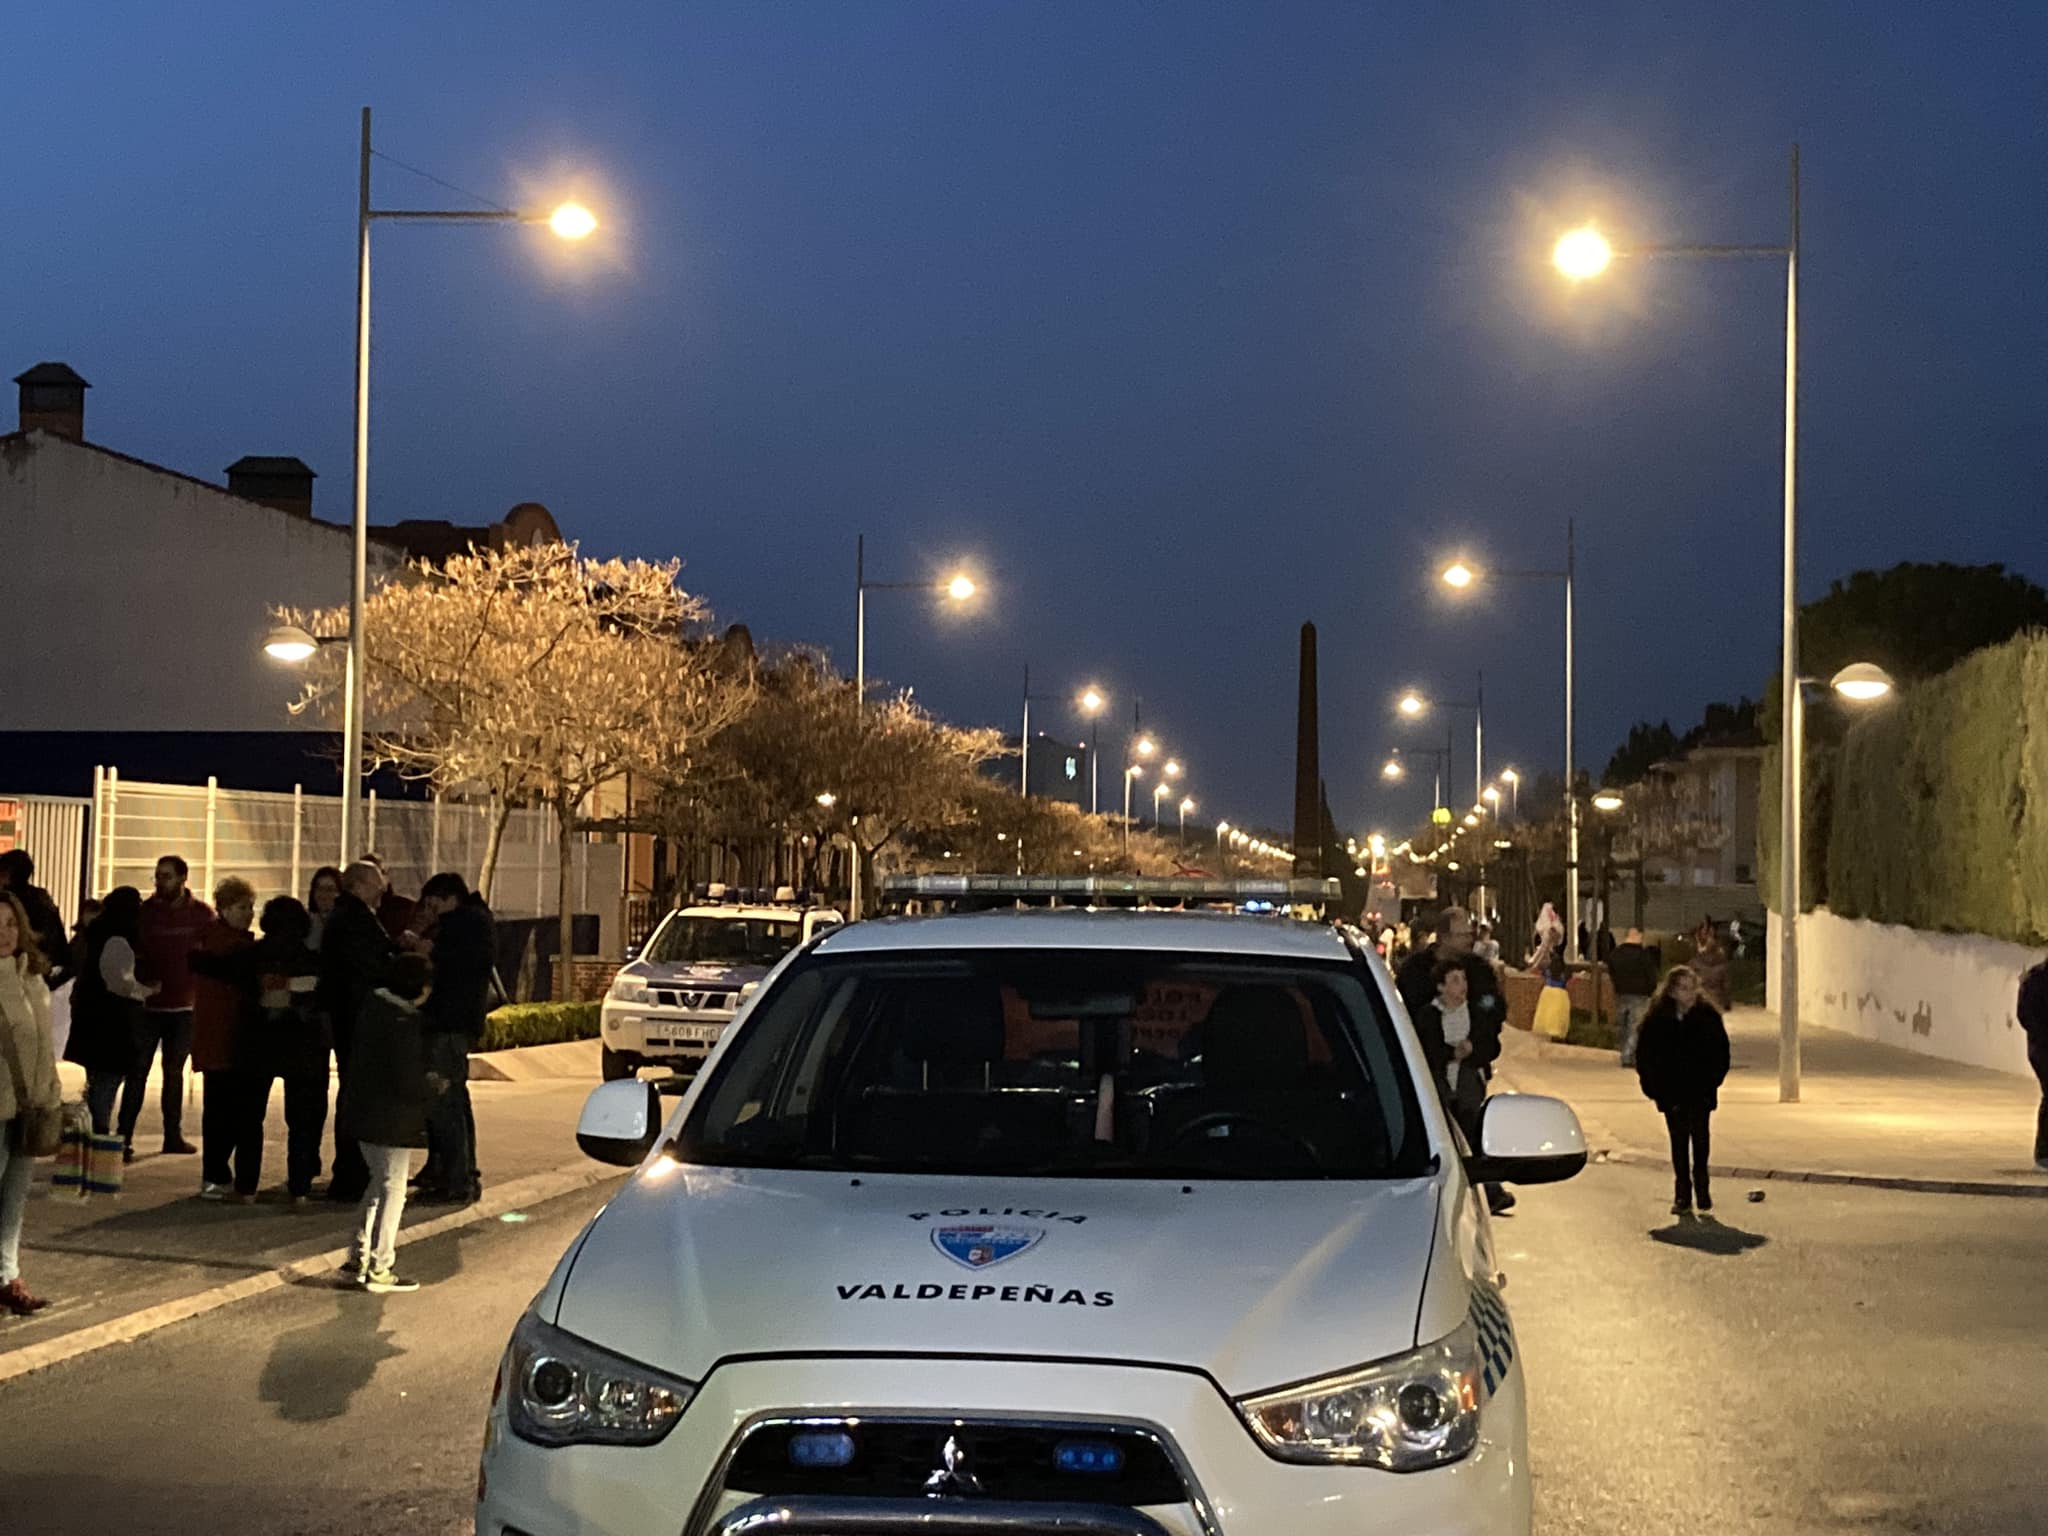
pixel 1933 814
pixel 539 1024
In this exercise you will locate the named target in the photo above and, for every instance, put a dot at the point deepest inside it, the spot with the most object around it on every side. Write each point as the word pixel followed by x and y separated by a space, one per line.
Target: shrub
pixel 539 1024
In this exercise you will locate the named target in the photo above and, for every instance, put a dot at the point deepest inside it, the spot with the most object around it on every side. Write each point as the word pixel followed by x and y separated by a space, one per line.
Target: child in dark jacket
pixel 384 1107
pixel 1681 1061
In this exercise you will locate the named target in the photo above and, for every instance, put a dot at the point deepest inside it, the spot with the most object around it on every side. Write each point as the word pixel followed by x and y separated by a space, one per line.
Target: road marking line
pixel 535 1189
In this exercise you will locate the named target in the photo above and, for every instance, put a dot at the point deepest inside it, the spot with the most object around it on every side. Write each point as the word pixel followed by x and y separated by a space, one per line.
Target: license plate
pixel 683 1034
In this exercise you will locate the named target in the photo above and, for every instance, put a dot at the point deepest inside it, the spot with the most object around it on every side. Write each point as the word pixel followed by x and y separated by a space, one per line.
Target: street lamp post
pixel 570 221
pixel 1092 701
pixel 1513 780
pixel 1131 771
pixel 1586 253
pixel 1414 704
pixel 1187 803
pixel 957 588
pixel 1458 576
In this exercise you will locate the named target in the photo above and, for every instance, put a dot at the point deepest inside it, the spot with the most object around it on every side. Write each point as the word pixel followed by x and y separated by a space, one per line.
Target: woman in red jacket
pixel 216 1016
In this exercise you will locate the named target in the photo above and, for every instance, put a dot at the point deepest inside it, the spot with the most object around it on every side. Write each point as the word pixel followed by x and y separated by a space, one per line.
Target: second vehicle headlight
pixel 629 989
pixel 1405 1414
pixel 562 1390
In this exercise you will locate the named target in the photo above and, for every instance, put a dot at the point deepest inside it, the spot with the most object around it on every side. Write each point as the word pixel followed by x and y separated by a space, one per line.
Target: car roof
pixel 1211 933
pixel 734 909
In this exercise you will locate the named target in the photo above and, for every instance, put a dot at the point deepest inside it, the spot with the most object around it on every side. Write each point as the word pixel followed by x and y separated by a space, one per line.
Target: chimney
pixel 53 400
pixel 283 483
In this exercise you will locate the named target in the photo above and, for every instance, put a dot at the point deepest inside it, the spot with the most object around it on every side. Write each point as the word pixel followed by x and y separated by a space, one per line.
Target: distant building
pixel 1692 822
pixel 137 597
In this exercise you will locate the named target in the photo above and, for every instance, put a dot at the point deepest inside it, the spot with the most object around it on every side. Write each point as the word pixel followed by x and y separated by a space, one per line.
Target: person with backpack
pixel 1681 1062
pixel 2033 1012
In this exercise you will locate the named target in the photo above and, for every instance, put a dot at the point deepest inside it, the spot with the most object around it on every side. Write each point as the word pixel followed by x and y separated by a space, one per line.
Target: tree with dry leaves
pixel 535 675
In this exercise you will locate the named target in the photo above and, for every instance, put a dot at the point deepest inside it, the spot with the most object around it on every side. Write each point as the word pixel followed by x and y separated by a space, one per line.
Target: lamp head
pixel 572 221
pixel 1582 253
pixel 289 643
pixel 1861 681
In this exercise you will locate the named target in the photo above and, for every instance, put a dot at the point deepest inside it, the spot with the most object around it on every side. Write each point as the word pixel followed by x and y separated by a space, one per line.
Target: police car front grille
pixel 896 1459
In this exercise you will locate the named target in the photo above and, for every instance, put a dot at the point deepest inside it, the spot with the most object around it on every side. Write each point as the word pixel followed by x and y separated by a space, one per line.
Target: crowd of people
pixel 359 989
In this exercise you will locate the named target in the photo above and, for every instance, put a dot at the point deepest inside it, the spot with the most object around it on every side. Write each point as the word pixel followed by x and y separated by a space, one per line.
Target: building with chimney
pixel 137 599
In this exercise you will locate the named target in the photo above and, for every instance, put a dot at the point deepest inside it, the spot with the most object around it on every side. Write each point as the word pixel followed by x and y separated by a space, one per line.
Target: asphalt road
pixel 1831 1361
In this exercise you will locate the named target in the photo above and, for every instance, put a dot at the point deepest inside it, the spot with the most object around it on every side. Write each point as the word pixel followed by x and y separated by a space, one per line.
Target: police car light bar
pixel 1090 890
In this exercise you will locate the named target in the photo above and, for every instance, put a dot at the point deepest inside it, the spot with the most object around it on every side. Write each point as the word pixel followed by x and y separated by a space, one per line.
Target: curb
pixel 1615 1149
pixel 560 1062
pixel 534 1189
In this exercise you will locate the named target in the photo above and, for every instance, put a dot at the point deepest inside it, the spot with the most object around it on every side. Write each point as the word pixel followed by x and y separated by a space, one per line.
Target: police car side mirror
pixel 619 1122
pixel 1526 1138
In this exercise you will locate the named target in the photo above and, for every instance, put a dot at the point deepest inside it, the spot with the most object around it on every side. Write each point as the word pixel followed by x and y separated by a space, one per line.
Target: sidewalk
pixel 115 1266
pixel 1868 1113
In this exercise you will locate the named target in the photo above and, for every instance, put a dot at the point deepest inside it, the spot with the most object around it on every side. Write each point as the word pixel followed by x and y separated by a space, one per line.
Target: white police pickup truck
pixel 669 1004
pixel 1104 1223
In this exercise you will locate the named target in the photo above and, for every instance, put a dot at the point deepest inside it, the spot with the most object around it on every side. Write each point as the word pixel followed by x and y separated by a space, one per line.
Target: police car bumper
pixel 1229 1486
pixel 651 1033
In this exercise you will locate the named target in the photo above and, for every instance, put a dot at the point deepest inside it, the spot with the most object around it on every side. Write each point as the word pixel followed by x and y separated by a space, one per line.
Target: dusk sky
pixel 1181 324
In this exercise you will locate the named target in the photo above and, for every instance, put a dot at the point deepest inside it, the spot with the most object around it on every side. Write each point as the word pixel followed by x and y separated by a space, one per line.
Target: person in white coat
pixel 28 1082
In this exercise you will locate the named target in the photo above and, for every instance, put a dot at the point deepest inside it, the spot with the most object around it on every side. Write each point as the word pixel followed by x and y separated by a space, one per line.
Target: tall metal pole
pixel 1571 774
pixel 1791 712
pixel 1024 756
pixel 1479 743
pixel 359 527
pixel 860 704
pixel 1095 764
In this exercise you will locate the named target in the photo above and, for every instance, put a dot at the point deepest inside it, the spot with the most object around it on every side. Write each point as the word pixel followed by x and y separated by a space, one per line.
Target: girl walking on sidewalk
pixel 1681 1061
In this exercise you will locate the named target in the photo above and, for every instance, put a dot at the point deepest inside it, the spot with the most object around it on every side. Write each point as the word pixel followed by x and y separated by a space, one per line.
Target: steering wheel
pixel 1203 1124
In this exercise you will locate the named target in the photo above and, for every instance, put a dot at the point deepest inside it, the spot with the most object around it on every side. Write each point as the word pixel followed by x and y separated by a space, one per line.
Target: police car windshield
pixel 685 939
pixel 1104 1064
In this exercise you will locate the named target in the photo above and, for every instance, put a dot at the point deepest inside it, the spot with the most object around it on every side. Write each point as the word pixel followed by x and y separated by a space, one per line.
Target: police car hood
pixel 1257 1284
pixel 699 973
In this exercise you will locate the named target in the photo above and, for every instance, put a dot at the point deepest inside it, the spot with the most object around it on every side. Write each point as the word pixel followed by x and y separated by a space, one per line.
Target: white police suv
pixel 669 1004
pixel 1103 1223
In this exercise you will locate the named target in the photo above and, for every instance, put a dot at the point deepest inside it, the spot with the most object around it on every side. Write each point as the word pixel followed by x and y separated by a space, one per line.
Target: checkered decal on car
pixel 1496 1335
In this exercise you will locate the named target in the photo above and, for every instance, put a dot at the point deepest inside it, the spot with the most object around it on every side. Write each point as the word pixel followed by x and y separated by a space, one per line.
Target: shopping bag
pixel 1554 1013
pixel 104 1166
pixel 73 1151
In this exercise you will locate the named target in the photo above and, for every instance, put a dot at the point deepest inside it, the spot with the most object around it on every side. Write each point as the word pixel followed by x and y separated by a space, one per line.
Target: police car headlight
pixel 629 989
pixel 561 1390
pixel 1406 1414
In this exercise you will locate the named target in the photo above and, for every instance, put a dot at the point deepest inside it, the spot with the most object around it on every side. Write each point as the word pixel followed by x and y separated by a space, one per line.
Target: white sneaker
pixel 212 1191
pixel 385 1282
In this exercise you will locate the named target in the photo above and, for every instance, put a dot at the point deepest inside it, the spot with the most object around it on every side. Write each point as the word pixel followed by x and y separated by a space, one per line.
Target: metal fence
pixel 53 831
pixel 276 841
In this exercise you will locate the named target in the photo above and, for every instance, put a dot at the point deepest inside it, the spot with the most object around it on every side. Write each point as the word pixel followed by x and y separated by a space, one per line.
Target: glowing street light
pixel 570 221
pixel 289 643
pixel 573 221
pixel 1862 681
pixel 1459 574
pixel 1144 746
pixel 957 588
pixel 828 799
pixel 1412 704
pixel 1393 769
pixel 1172 768
pixel 1582 253
pixel 1091 703
pixel 1607 800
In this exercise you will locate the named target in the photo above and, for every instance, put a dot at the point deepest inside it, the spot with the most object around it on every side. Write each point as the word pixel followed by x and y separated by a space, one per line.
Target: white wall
pixel 1941 994
pixel 137 600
